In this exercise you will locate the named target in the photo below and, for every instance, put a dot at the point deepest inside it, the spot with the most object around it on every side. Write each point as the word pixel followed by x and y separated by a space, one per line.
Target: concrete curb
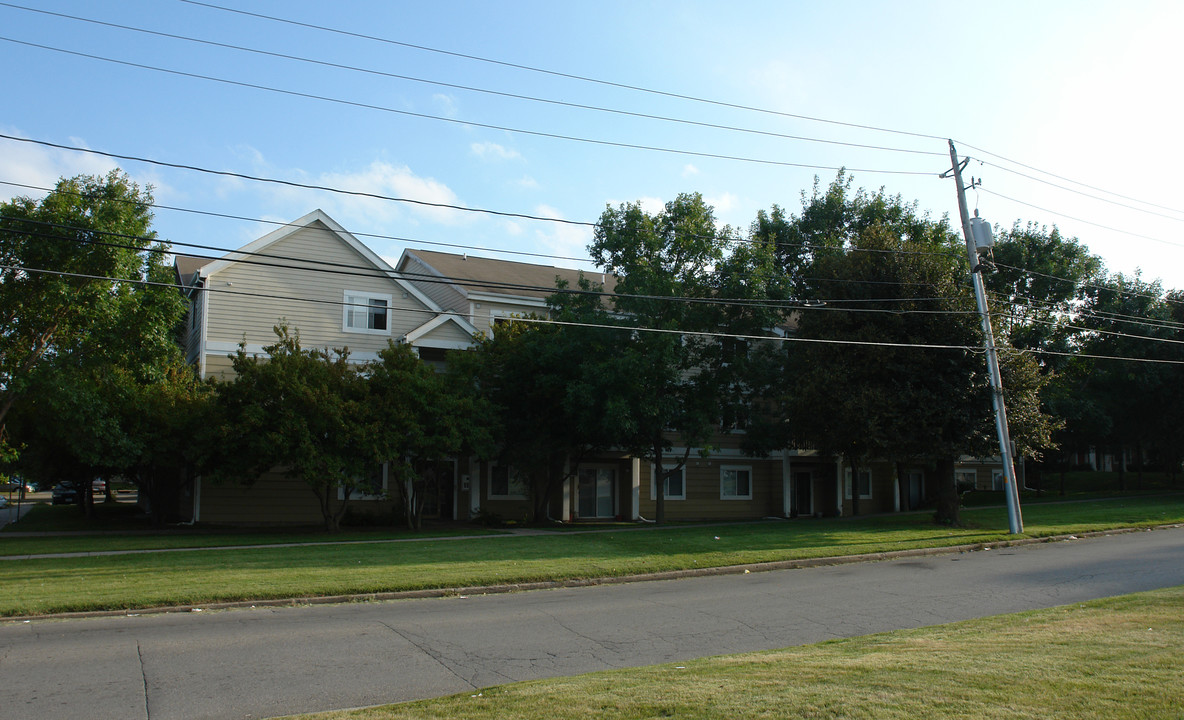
pixel 582 582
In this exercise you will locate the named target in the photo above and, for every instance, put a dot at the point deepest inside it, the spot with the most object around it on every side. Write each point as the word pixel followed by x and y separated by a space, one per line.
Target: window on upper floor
pixel 366 313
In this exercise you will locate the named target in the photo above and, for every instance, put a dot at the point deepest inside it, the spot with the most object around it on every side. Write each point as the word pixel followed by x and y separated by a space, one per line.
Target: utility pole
pixel 1014 521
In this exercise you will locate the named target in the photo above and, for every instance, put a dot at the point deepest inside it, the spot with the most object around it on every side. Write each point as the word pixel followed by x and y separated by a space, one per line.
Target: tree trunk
pixel 947 494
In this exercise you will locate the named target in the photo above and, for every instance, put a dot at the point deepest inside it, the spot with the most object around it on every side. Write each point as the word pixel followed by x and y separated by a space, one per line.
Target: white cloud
pixel 446 104
pixel 689 170
pixel 560 238
pixel 382 178
pixel 493 151
pixel 38 166
pixel 528 182
pixel 723 204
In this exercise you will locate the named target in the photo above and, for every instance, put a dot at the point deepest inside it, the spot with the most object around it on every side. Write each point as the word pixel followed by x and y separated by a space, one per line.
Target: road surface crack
pixel 430 653
pixel 144 677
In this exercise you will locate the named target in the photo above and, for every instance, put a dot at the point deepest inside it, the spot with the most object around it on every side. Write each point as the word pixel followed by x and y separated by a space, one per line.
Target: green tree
pixel 58 256
pixel 416 419
pixel 884 281
pixel 667 283
pixel 83 348
pixel 538 380
pixel 299 412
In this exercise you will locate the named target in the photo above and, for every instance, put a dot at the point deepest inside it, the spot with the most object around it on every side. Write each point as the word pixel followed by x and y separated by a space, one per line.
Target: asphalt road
pixel 266 662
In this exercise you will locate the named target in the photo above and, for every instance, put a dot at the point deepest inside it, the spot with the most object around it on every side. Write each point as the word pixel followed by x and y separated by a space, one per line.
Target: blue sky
pixel 1087 91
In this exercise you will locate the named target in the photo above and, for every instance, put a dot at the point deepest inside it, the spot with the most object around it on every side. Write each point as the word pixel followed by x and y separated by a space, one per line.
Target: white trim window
pixel 735 482
pixel 865 484
pixel 366 312
pixel 674 485
pixel 505 483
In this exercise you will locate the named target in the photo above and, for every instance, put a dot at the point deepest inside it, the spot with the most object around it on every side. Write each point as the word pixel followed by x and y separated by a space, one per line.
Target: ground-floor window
pixel 506 483
pixel 865 485
pixel 735 482
pixel 674 484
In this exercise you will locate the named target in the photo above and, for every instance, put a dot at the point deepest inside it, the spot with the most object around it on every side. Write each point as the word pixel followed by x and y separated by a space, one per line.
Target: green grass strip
pixel 38 586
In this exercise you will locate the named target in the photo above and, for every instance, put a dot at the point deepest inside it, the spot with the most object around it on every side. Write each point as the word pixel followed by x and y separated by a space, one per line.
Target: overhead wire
pixel 425 203
pixel 470 88
pixel 555 73
pixel 605 326
pixel 1081 220
pixel 304 265
pixel 680 96
pixel 457 121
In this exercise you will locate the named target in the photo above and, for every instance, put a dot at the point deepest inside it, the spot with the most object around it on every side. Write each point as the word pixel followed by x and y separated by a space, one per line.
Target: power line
pixel 391 198
pixel 680 96
pixel 555 73
pixel 1059 177
pixel 1083 194
pixel 629 328
pixel 441 118
pixel 1091 286
pixel 1080 220
pixel 469 88
pixel 305 265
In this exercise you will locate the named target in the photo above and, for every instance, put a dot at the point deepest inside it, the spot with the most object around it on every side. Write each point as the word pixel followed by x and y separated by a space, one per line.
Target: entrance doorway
pixel 595 492
pixel 803 493
pixel 916 488
pixel 439 489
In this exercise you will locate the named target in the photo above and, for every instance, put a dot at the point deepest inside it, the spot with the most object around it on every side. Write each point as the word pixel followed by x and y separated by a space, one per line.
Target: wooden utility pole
pixel 1014 520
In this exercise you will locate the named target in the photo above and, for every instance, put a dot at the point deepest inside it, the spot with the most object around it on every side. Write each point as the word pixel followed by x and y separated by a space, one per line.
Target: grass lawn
pixel 1112 658
pixel 164 578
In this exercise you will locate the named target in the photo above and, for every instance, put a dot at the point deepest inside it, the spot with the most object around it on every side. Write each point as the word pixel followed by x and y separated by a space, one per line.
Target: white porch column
pixel 635 471
pixel 565 516
pixel 839 486
pixel 474 487
pixel 786 485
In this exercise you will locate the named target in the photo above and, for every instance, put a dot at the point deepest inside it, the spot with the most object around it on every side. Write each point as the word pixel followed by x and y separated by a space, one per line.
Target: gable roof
pixel 202 268
pixel 469 274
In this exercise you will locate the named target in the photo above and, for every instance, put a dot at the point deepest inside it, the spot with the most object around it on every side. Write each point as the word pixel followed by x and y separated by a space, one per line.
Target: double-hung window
pixel 366 313
pixel 865 485
pixel 673 484
pixel 735 482
pixel 506 483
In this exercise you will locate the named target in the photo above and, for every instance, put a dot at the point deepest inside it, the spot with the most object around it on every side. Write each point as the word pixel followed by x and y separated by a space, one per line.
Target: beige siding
pixel 484 316
pixel 445 334
pixel 703 479
pixel 271 500
pixel 266 302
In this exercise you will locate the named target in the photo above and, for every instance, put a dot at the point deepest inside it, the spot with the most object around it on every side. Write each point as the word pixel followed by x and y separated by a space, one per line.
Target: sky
pixel 1069 112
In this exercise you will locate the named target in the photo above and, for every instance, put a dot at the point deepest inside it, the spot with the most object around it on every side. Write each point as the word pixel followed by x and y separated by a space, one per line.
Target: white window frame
pixel 998 480
pixel 512 476
pixel 723 470
pixel 847 484
pixel 351 299
pixel 665 486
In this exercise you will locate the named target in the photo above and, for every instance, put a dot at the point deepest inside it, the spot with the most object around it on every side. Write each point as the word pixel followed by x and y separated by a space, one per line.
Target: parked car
pixel 98 486
pixel 3 502
pixel 65 493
